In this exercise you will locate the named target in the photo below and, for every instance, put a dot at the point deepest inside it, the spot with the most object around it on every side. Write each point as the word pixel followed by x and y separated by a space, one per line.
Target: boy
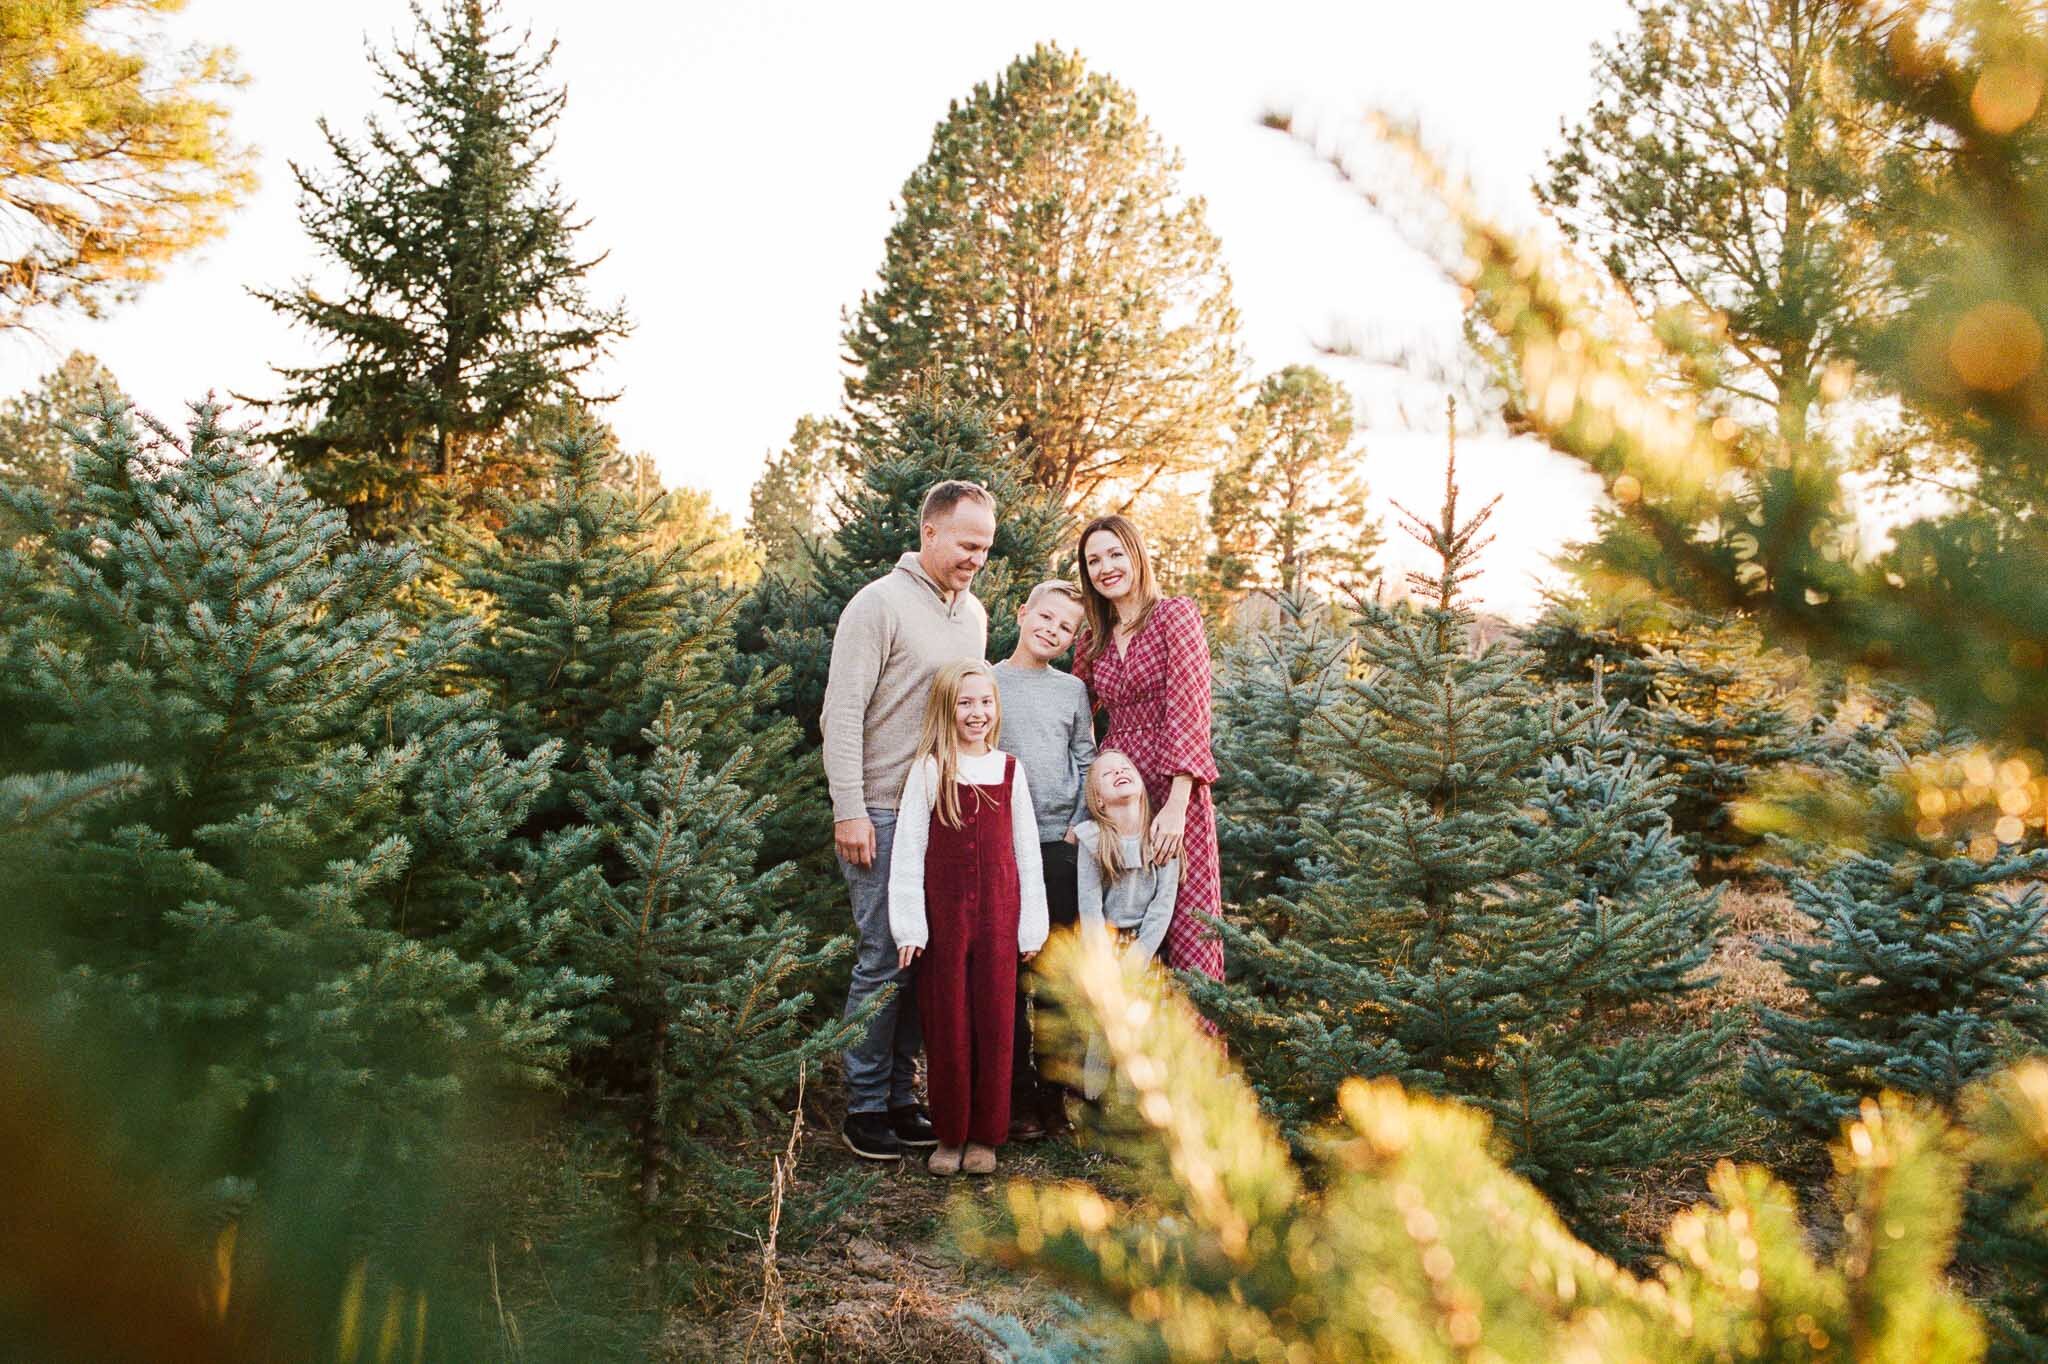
pixel 1048 727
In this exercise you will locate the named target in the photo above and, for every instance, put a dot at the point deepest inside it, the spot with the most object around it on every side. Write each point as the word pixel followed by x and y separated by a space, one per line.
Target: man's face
pixel 1046 627
pixel 956 544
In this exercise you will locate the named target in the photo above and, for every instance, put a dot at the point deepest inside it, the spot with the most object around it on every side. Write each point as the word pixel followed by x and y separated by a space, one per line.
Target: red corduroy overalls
pixel 967 982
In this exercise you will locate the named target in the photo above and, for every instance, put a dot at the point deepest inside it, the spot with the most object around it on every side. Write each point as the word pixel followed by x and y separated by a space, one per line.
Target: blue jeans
pixel 882 1066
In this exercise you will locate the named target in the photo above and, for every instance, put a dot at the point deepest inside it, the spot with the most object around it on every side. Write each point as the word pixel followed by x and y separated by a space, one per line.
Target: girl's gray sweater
pixel 1139 901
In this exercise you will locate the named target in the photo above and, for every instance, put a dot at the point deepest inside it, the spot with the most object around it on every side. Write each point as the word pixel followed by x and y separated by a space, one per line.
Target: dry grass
pixel 886 1281
pixel 1755 910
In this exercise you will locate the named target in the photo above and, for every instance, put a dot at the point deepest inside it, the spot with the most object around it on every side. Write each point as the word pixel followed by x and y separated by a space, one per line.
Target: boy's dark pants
pixel 1032 1091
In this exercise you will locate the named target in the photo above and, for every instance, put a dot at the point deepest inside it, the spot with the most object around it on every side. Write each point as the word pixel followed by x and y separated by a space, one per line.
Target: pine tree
pixel 1288 509
pixel 304 896
pixel 791 497
pixel 590 625
pixel 1719 717
pixel 600 641
pixel 1923 968
pixel 464 306
pixel 1493 891
pixel 1402 1239
pixel 1048 267
pixel 703 1032
pixel 114 151
pixel 1726 166
pixel 1274 685
pixel 34 451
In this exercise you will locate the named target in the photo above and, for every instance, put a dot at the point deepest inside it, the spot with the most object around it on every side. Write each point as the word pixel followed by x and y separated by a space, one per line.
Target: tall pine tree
pixel 461 306
pixel 1288 508
pixel 1727 166
pixel 1047 266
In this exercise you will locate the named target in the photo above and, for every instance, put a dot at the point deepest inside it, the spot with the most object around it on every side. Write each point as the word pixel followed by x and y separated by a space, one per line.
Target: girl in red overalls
pixel 966 902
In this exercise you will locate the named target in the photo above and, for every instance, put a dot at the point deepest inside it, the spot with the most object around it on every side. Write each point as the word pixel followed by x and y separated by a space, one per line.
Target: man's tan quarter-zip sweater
pixel 892 639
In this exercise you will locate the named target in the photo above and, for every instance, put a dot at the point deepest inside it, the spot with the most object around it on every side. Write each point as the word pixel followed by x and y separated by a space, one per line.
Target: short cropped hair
pixel 1056 587
pixel 943 497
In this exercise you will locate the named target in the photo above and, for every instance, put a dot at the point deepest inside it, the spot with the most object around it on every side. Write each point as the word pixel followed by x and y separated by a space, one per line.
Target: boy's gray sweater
pixel 1048 727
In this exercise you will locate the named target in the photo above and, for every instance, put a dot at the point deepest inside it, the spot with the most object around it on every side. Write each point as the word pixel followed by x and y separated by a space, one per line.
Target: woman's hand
pixel 1027 956
pixel 1169 831
pixel 905 956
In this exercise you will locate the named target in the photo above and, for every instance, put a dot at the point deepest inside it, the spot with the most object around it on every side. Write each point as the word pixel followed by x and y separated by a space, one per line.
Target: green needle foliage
pixel 702 1031
pixel 601 642
pixel 1404 1239
pixel 294 880
pixel 1719 718
pixel 1922 961
pixel 1272 685
pixel 463 307
pixel 1493 891
pixel 1048 267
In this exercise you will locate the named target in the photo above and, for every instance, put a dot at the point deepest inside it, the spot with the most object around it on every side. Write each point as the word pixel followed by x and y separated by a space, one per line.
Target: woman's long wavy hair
pixel 1101 614
pixel 940 740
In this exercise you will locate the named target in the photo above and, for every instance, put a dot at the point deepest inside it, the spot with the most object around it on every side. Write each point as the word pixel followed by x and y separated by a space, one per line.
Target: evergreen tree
pixel 1493 890
pixel 115 155
pixel 591 621
pixel 1179 543
pixel 1047 265
pixel 305 896
pixel 1923 967
pixel 1718 717
pixel 1274 685
pixel 702 1029
pixel 1401 1238
pixel 464 306
pixel 34 451
pixel 1726 166
pixel 601 642
pixel 1288 509
pixel 790 499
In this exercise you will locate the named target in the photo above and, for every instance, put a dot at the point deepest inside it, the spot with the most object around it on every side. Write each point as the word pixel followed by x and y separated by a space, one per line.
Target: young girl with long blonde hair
pixel 1125 889
pixel 966 902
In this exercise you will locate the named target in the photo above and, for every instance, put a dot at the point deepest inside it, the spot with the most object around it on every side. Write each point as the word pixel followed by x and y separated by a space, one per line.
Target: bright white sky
pixel 738 162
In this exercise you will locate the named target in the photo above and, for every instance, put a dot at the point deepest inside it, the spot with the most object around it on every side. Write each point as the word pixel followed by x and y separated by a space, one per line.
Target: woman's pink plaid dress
pixel 1157 696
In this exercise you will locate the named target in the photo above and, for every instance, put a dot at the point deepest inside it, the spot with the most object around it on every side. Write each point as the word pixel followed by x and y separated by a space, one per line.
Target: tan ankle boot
pixel 945 1160
pixel 979 1160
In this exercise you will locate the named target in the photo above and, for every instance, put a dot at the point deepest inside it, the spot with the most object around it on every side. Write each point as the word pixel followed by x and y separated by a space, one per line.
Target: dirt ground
pixel 886 1281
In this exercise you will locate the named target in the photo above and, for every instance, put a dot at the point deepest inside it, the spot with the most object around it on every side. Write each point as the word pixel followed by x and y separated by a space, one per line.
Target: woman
pixel 1146 662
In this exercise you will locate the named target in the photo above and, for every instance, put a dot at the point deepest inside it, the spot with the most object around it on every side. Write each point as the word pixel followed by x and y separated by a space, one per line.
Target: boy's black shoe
pixel 870 1136
pixel 913 1126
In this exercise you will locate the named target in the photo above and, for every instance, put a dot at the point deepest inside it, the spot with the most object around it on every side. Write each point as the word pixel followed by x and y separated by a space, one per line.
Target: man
pixel 893 638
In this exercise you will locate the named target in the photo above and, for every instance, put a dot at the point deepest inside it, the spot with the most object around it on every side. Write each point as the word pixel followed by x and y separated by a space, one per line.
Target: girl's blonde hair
pixel 1109 844
pixel 940 740
pixel 1101 614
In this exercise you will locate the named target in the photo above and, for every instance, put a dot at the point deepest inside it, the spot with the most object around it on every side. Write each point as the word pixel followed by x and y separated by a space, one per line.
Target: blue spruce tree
pixel 1493 904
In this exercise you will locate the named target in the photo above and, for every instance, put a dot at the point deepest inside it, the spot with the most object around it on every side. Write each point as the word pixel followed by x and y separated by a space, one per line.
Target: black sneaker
pixel 870 1136
pixel 912 1126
